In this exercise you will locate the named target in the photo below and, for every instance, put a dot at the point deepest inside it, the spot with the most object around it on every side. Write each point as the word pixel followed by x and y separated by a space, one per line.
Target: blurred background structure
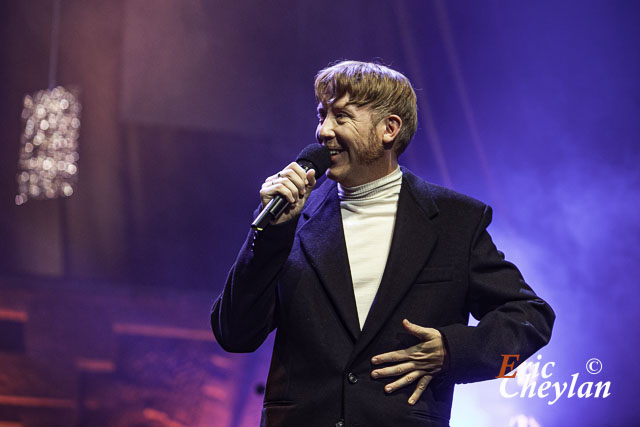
pixel 532 107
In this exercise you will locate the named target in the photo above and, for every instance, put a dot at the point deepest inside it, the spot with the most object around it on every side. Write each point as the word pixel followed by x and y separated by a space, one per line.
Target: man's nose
pixel 325 131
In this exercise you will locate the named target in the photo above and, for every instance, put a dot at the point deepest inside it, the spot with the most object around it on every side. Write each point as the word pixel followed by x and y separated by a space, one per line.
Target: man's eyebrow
pixel 348 107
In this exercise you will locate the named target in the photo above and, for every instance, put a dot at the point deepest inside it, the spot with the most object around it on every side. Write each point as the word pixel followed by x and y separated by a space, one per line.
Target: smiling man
pixel 352 134
pixel 369 279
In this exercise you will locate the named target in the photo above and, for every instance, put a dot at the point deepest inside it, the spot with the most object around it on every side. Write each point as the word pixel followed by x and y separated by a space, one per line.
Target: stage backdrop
pixel 531 107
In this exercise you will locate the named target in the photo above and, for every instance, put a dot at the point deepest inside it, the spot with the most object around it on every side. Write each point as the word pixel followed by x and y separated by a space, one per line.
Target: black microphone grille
pixel 318 156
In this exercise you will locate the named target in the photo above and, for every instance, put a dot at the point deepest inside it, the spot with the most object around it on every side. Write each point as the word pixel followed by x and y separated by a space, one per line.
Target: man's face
pixel 355 143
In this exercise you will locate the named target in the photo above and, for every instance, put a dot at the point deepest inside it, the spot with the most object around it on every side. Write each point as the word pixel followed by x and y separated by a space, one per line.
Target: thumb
pixel 311 183
pixel 311 178
pixel 425 334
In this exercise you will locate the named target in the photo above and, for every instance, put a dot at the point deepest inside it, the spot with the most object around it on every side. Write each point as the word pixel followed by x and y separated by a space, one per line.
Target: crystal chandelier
pixel 47 167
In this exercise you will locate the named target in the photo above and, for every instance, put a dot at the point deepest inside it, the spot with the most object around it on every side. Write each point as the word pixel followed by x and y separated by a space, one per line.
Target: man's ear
pixel 392 126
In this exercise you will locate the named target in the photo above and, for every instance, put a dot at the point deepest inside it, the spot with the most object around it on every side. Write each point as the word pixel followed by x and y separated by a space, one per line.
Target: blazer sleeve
pixel 244 314
pixel 512 318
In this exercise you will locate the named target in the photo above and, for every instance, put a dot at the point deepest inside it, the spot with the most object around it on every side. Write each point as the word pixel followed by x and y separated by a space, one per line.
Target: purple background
pixel 532 107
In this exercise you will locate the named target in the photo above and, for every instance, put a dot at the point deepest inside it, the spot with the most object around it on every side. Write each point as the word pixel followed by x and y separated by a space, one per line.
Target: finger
pixel 269 181
pixel 293 167
pixel 287 188
pixel 279 186
pixel 393 371
pixel 404 381
pixel 423 382
pixel 393 356
pixel 298 170
pixel 292 176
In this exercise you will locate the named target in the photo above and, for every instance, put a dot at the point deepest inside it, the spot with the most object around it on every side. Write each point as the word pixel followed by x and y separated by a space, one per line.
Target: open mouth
pixel 335 152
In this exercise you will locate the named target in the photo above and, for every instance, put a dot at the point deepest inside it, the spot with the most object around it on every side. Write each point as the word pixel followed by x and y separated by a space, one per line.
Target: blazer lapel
pixel 322 241
pixel 414 238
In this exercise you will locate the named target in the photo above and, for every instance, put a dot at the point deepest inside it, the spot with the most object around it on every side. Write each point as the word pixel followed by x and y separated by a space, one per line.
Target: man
pixel 370 279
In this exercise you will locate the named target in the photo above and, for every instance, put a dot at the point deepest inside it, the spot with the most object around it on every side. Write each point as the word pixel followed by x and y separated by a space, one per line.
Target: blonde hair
pixel 385 90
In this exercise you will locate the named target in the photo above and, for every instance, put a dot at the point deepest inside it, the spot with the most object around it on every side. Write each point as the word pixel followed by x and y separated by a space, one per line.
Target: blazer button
pixel 340 423
pixel 352 378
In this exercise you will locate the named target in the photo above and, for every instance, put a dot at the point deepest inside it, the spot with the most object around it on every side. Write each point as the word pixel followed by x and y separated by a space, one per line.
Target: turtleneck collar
pixel 372 189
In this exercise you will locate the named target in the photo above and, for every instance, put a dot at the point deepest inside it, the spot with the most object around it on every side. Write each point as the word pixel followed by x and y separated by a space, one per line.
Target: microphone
pixel 314 156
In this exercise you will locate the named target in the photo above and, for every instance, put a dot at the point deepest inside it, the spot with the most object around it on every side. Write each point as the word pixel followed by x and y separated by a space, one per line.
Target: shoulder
pixel 444 200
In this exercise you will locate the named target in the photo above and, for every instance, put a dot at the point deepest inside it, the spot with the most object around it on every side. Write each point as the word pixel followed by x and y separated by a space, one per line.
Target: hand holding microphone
pixel 284 194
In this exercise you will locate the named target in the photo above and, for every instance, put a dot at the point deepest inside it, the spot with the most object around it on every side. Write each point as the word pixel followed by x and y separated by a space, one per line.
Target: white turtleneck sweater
pixel 368 217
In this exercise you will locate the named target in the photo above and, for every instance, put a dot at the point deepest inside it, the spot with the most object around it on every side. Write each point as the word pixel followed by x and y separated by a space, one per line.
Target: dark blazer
pixel 442 265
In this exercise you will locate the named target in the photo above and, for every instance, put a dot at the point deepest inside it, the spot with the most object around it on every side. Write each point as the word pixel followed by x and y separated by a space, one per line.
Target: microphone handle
pixel 276 206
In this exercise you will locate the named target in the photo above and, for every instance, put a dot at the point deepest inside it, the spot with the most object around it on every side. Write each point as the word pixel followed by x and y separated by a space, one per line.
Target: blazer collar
pixel 322 239
pixel 414 237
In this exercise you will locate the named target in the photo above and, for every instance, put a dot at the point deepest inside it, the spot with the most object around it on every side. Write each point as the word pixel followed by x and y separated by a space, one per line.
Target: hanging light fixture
pixel 47 165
